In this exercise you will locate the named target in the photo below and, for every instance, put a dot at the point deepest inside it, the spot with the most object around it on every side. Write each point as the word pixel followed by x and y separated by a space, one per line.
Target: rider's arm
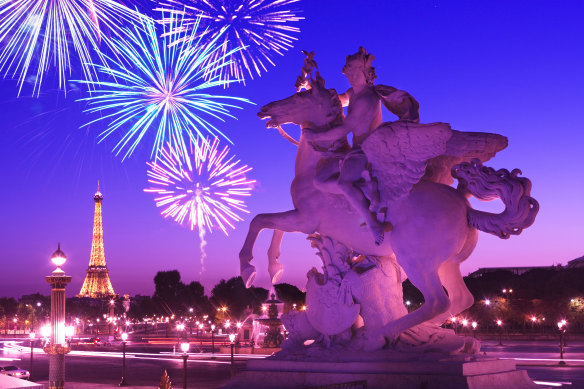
pixel 333 134
pixel 357 120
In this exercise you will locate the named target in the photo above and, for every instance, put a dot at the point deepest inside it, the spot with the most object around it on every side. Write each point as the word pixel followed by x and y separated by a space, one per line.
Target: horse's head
pixel 316 107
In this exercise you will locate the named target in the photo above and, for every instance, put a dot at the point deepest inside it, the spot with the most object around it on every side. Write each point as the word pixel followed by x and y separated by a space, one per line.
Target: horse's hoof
pixel 248 274
pixel 275 270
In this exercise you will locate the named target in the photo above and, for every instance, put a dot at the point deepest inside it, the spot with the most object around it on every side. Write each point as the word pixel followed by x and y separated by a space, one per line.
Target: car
pixel 15 371
pixel 95 340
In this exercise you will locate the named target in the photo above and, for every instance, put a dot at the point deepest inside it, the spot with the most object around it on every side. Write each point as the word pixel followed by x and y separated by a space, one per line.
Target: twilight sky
pixel 513 68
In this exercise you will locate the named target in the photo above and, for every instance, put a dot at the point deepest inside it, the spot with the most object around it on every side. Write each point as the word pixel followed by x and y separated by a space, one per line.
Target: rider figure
pixel 363 100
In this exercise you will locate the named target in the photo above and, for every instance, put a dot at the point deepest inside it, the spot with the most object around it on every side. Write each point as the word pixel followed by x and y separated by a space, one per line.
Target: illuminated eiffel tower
pixel 97 283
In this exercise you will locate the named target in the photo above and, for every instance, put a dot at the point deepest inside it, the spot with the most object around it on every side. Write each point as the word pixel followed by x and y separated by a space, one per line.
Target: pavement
pixel 102 369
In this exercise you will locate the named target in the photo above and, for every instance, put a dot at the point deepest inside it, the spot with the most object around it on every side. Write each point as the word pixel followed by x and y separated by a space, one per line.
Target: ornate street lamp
pixel 184 346
pixel 562 329
pixel 212 341
pixel 500 325
pixel 57 346
pixel 124 340
pixel 32 336
pixel 232 341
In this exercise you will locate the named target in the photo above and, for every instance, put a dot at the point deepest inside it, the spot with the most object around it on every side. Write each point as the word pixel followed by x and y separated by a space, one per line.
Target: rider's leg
pixel 327 175
pixel 351 170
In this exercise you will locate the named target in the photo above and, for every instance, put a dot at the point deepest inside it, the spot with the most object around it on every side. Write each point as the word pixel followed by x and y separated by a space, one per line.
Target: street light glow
pixel 499 322
pixel 45 331
pixel 69 331
pixel 124 336
pixel 487 302
pixel 184 346
pixel 58 258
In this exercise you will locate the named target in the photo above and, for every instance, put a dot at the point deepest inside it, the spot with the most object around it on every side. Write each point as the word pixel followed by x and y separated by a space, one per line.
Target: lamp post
pixel 184 346
pixel 232 340
pixel 32 336
pixel 212 341
pixel 57 347
pixel 562 328
pixel 500 325
pixel 124 340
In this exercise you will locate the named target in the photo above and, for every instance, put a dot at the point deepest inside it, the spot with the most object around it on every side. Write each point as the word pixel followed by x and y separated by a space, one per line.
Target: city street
pixel 144 369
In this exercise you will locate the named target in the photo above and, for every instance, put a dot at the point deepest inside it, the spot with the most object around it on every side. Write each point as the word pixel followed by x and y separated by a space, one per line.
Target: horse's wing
pixel 463 147
pixel 399 151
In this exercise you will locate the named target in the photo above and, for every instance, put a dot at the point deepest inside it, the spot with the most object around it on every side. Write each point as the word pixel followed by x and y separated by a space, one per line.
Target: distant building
pixel 517 270
pixel 97 283
pixel 576 263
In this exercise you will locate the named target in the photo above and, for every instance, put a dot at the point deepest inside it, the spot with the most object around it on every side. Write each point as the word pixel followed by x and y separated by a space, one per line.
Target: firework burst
pixel 160 90
pixel 205 190
pixel 36 34
pixel 259 28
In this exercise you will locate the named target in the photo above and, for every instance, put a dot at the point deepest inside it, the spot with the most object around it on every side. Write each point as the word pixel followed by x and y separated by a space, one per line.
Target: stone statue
pixel 403 170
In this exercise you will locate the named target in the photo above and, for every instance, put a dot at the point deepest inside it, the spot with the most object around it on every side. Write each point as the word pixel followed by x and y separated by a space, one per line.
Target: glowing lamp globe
pixel 184 347
pixel 32 335
pixel 212 327
pixel 499 322
pixel 124 336
pixel 474 325
pixel 232 338
pixel 58 258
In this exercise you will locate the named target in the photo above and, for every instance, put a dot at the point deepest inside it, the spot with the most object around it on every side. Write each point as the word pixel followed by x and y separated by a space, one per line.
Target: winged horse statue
pixel 434 226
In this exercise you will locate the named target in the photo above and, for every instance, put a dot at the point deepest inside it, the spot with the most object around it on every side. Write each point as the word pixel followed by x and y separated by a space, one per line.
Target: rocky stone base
pixel 450 372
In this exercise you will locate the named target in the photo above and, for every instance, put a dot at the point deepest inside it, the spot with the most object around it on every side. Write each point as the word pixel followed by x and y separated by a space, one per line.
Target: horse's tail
pixel 487 184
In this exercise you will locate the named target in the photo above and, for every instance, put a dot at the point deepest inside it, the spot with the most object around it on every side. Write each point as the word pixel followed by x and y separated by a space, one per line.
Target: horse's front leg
pixel 289 221
pixel 275 268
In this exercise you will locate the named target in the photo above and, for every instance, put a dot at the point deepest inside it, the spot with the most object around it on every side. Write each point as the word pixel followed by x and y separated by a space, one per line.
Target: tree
pixel 290 295
pixel 233 295
pixel 193 296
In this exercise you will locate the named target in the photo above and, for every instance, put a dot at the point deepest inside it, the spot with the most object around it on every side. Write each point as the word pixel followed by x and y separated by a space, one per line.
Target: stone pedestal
pixel 449 372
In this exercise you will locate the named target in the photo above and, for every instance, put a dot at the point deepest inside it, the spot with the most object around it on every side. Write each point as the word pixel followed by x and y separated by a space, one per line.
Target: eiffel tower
pixel 97 283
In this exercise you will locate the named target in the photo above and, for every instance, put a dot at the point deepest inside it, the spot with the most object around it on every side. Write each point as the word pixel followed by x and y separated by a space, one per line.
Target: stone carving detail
pixel 380 210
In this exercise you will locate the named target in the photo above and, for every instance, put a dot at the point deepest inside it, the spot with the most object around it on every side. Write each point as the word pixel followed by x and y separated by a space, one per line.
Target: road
pixel 146 364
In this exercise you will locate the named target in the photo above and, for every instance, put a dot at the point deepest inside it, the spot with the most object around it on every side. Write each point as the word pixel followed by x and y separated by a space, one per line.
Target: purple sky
pixel 514 68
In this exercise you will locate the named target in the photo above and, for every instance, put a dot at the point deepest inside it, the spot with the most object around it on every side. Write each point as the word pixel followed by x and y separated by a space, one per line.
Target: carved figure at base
pixel 341 315
pixel 434 226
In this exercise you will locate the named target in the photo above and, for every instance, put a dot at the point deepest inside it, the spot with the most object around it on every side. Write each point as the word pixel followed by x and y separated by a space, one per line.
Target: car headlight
pixel 18 373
